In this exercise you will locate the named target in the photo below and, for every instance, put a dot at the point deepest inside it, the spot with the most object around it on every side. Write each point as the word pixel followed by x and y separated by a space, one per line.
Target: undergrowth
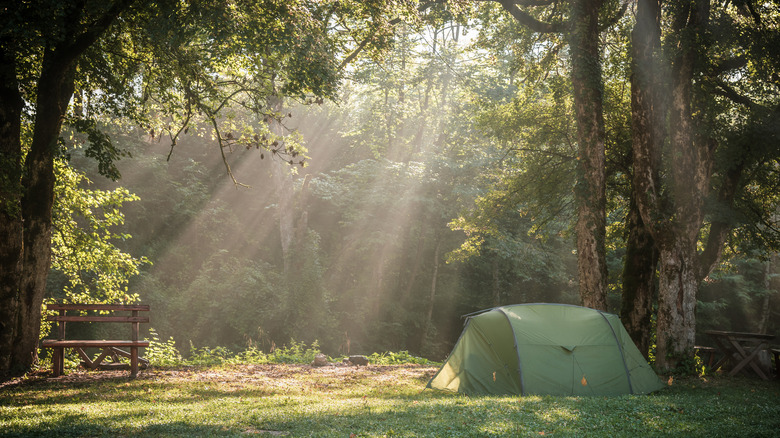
pixel 164 353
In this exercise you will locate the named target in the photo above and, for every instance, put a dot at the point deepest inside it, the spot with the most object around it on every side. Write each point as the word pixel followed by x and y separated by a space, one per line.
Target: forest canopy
pixel 361 174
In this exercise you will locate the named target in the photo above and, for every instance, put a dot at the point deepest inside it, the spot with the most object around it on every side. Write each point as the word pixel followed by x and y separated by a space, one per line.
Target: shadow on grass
pixel 365 403
pixel 74 426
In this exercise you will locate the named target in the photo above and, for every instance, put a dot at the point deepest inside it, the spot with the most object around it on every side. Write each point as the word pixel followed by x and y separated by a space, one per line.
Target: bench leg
pixel 133 362
pixel 57 362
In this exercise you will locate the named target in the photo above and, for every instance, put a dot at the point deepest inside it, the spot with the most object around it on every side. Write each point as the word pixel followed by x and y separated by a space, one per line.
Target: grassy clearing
pixel 374 401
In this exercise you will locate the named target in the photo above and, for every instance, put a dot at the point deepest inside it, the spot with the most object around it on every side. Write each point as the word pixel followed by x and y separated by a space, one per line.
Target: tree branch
pixel 527 20
pixel 726 91
pixel 729 64
pixel 362 45
pixel 94 30
pixel 720 229
pixel 530 3
pixel 611 22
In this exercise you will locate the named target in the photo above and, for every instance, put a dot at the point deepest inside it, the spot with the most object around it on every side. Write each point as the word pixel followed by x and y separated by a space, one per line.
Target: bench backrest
pixel 63 317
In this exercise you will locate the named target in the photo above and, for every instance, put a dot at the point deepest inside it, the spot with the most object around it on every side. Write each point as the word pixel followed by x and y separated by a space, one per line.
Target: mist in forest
pixel 404 218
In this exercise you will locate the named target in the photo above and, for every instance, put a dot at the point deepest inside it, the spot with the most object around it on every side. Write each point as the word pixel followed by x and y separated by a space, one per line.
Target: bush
pixel 162 353
pixel 297 352
pixel 401 357
pixel 165 353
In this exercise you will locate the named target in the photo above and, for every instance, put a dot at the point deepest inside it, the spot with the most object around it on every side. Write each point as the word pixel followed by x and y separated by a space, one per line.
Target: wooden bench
pixel 111 348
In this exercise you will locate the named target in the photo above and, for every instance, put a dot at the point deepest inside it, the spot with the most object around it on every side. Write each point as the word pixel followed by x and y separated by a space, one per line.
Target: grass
pixel 373 401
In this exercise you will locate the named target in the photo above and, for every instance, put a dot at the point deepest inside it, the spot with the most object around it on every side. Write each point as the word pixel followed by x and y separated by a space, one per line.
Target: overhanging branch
pixel 726 91
pixel 527 20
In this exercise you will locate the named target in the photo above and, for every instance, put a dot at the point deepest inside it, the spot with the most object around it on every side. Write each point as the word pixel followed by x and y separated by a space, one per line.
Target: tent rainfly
pixel 554 349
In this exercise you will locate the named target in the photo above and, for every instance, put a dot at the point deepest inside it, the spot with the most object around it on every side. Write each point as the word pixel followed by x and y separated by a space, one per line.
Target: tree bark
pixel 762 325
pixel 11 235
pixel 590 191
pixel 639 276
pixel 690 160
pixel 29 262
pixel 28 198
pixel 677 287
pixel 647 135
pixel 674 215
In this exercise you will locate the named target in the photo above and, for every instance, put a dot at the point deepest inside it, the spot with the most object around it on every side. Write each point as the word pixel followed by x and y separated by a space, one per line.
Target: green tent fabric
pixel 555 349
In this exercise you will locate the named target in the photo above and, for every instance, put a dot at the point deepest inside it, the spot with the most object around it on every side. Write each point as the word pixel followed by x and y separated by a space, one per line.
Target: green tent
pixel 554 349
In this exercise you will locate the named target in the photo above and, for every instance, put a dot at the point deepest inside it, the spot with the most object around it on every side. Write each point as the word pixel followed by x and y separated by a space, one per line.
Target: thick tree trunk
pixel 590 191
pixel 27 199
pixel 11 236
pixel 639 282
pixel 674 215
pixel 28 263
pixel 691 162
pixel 57 76
pixel 647 135
pixel 676 322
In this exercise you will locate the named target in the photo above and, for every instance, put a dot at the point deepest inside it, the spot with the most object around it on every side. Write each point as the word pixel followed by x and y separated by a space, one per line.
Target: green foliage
pixel 236 282
pixel 209 355
pixel 99 146
pixel 161 352
pixel 84 240
pixel 296 352
pixel 398 358
pixel 740 296
pixel 165 353
pixel 422 137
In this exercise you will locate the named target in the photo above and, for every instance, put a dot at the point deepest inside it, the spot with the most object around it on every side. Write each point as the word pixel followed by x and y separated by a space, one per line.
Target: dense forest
pixel 362 174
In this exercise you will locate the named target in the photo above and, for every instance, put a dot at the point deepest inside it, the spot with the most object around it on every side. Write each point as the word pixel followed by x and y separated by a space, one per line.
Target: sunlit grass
pixel 374 401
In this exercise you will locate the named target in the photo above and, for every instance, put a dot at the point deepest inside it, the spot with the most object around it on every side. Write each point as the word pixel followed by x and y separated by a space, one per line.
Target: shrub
pixel 162 353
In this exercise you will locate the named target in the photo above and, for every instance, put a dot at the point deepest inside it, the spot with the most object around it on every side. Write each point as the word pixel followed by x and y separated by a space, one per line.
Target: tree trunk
pixel 431 297
pixel 26 209
pixel 762 325
pixel 11 246
pixel 283 181
pixel 639 281
pixel 691 169
pixel 496 281
pixel 27 248
pixel 676 322
pixel 415 263
pixel 647 135
pixel 590 191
